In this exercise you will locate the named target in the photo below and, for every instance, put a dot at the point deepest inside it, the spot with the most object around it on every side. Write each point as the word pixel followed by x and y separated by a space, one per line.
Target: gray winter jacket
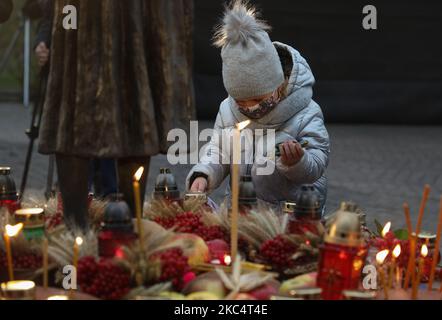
pixel 297 117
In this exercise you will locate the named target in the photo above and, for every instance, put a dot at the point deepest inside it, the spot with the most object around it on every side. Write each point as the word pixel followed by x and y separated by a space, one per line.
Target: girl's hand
pixel 291 153
pixel 199 185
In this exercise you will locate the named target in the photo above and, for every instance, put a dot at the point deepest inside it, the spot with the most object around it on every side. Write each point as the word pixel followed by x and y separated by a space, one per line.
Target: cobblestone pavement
pixel 378 167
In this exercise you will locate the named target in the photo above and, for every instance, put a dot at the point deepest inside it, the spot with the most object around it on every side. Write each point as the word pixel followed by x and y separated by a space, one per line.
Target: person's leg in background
pixel 126 170
pixel 108 175
pixel 103 177
pixel 94 181
pixel 73 182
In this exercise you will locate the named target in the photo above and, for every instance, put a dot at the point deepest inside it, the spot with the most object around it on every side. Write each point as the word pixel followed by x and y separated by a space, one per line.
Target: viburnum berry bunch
pixel 22 261
pixel 103 278
pixel 278 252
pixel 189 222
pixel 389 241
pixel 174 266
pixel 54 220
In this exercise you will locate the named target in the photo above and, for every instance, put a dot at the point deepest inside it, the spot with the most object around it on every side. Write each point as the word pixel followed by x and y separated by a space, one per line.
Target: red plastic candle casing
pixel 10 205
pixel 111 242
pixel 9 198
pixel 301 226
pixel 340 269
pixel 429 240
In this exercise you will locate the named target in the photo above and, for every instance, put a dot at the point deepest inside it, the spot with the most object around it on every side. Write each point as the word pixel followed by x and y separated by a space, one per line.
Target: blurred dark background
pixel 392 75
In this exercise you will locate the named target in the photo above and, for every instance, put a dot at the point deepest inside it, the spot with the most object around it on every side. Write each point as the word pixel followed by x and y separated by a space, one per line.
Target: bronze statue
pixel 117 84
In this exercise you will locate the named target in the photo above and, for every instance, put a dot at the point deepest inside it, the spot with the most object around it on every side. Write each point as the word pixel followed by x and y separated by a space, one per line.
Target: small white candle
pixel 18 290
pixel 235 186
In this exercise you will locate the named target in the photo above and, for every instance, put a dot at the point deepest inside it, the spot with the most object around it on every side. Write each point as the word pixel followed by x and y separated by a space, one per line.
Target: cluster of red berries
pixel 174 266
pixel 389 241
pixel 103 278
pixel 277 252
pixel 30 261
pixel 55 220
pixel 189 222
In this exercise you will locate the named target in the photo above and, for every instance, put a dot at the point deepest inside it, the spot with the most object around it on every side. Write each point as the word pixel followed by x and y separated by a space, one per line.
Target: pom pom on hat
pixel 240 23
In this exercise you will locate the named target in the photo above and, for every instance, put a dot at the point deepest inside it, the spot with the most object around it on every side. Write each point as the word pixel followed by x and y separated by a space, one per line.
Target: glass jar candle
pixel 33 220
pixel 8 193
pixel 342 256
pixel 18 290
pixel 429 239
pixel 116 230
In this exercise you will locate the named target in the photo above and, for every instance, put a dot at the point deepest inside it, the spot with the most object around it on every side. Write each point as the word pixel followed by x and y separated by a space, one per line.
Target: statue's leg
pixel 126 170
pixel 73 180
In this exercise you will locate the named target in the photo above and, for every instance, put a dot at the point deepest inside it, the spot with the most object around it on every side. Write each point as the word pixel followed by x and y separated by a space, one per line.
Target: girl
pixel 269 84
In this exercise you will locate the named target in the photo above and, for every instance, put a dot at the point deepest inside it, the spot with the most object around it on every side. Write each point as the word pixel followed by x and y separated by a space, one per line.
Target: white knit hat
pixel 251 65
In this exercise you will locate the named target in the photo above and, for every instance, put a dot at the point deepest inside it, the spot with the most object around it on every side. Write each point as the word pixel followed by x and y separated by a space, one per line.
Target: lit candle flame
pixel 227 260
pixel 381 255
pixel 386 228
pixel 397 251
pixel 424 251
pixel 12 231
pixel 139 173
pixel 242 125
pixel 79 241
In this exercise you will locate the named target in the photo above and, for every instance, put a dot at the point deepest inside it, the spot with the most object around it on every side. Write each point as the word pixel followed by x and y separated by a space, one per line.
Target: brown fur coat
pixel 121 81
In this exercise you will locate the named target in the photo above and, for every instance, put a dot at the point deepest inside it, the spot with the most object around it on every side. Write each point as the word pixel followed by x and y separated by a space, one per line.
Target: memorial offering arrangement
pixel 184 247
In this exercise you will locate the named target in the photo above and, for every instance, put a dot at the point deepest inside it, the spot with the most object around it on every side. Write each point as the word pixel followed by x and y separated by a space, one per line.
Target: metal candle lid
pixel 308 203
pixel 165 186
pixel 30 217
pixel 247 194
pixel 8 190
pixel 427 236
pixel 117 216
pixel 18 290
pixel 345 230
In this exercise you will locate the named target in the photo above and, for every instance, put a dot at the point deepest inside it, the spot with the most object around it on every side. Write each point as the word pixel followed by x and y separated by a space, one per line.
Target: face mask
pixel 260 110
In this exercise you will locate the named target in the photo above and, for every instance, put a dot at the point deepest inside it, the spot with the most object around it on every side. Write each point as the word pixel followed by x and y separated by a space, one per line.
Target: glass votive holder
pixel 33 220
pixel 18 290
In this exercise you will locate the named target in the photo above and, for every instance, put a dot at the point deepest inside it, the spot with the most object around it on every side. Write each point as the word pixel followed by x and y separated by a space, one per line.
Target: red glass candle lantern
pixel 306 211
pixel 8 192
pixel 342 256
pixel 430 240
pixel 116 231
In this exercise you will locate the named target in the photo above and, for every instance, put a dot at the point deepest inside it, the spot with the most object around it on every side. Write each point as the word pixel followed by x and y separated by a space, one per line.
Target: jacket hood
pixel 299 89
